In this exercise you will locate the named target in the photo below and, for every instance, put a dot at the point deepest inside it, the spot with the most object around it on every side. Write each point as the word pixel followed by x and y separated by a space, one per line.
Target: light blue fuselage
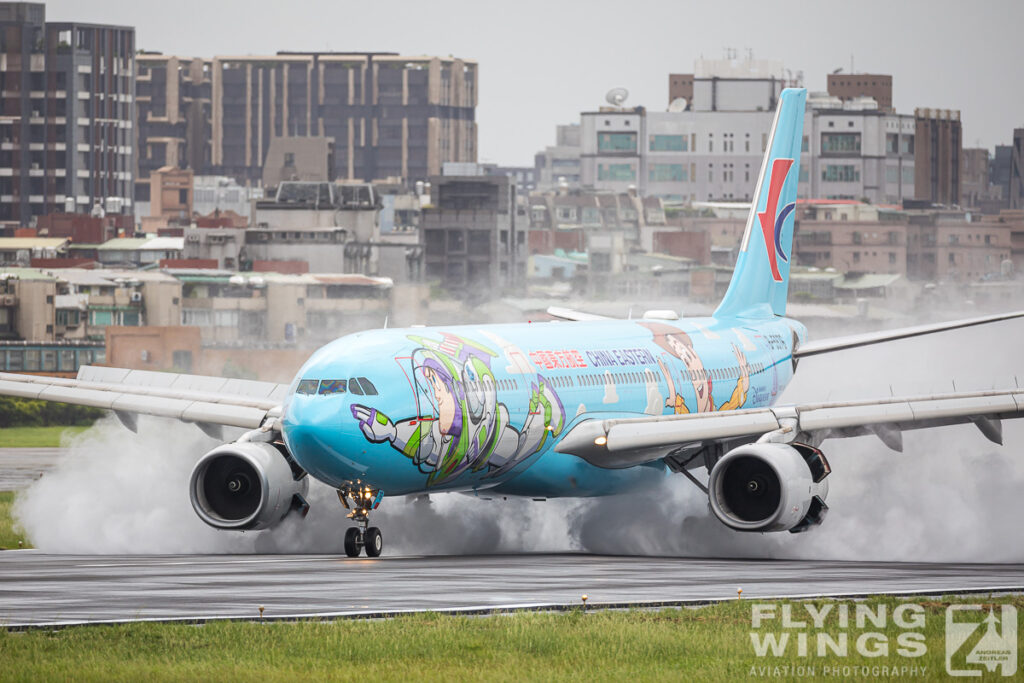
pixel 480 407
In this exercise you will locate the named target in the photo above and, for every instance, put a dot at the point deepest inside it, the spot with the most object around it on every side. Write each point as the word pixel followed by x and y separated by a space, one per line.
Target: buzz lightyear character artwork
pixel 461 426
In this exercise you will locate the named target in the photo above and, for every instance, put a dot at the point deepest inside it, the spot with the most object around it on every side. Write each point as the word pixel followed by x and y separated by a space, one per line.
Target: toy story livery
pixel 585 406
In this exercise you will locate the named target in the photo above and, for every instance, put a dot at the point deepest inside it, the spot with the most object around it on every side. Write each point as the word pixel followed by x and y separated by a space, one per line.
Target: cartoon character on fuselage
pixel 460 425
pixel 679 344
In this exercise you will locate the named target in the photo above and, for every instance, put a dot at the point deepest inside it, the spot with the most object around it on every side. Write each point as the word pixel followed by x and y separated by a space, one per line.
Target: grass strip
pixel 708 643
pixel 9 538
pixel 36 437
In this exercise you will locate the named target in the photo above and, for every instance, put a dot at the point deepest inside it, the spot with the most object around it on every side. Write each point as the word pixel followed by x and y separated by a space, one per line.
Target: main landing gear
pixel 361 500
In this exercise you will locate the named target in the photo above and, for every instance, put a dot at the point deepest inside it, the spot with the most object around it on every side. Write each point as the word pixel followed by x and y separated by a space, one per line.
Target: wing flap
pixel 724 425
pixel 192 398
pixel 623 443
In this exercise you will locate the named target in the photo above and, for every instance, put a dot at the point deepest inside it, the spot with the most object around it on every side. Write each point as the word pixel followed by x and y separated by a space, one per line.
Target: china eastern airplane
pixel 586 406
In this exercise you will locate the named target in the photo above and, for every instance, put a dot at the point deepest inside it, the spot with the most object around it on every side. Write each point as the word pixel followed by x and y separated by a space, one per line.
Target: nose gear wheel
pixel 361 500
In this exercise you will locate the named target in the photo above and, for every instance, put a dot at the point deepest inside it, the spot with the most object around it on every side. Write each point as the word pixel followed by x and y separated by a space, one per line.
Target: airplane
pixel 577 407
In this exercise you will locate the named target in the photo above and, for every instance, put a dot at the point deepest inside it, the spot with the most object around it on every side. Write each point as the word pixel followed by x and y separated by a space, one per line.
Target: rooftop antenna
pixel 616 96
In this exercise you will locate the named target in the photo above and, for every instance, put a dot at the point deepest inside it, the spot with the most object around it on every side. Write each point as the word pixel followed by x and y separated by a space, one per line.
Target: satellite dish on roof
pixel 677 105
pixel 616 96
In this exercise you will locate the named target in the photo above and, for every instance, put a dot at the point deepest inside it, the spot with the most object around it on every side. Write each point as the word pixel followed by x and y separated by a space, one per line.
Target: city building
pixel 27 298
pixel 1015 194
pixel 999 171
pixel 974 170
pixel 388 115
pixel 853 86
pixel 290 158
pixel 933 245
pixel 857 151
pixel 254 308
pixel 67 134
pixel 174 106
pixel 680 87
pixel 473 244
pixel 20 251
pixel 937 156
pixel 562 220
pixel 219 194
pixel 713 150
pixel 137 252
pixel 333 227
pixel 559 166
pixel 170 199
pixel 855 145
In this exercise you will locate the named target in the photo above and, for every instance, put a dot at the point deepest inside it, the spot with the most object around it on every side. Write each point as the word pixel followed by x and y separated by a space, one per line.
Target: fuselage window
pixel 332 386
pixel 353 387
pixel 307 387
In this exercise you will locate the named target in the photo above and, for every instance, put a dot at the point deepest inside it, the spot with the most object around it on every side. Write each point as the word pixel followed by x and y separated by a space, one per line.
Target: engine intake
pixel 246 485
pixel 770 487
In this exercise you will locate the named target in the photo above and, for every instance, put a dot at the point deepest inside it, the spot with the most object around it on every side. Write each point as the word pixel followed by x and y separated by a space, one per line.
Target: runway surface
pixel 19 467
pixel 38 589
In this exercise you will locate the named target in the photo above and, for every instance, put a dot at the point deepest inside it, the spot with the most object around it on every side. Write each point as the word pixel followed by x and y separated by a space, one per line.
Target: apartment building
pixel 472 242
pixel 387 115
pixel 67 129
pixel 929 245
pixel 174 105
pixel 937 155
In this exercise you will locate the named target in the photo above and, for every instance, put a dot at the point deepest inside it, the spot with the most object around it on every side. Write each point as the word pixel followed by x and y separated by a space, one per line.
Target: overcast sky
pixel 542 62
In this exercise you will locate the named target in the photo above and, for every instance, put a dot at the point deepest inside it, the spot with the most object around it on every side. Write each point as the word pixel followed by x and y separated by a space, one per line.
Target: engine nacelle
pixel 770 487
pixel 246 485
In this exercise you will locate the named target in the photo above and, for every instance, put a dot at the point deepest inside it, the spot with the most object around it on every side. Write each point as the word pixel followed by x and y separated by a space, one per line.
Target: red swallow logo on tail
pixel 772 222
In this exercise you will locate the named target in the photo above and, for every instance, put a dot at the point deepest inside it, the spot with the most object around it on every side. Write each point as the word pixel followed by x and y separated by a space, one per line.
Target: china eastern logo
pixel 772 222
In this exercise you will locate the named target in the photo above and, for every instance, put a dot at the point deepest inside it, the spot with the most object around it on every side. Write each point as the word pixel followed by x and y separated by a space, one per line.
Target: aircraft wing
pixel 621 443
pixel 814 348
pixel 209 402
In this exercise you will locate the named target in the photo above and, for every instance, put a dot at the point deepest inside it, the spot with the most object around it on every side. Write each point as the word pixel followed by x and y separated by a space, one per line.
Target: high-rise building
pixel 174 113
pixel 851 86
pixel 937 156
pixel 1016 186
pixel 68 111
pixel 389 116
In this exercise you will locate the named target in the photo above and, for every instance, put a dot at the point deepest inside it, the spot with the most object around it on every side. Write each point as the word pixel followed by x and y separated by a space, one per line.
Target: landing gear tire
pixel 373 542
pixel 352 542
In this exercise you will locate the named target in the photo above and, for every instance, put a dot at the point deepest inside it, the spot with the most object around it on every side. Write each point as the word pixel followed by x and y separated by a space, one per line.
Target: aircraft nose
pixel 313 430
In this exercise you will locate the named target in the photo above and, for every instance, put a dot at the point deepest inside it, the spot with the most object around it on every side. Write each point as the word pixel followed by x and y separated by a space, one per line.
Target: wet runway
pixel 37 589
pixel 19 467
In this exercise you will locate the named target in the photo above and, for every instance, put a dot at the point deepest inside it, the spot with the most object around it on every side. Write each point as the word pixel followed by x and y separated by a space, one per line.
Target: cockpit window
pixel 307 386
pixel 332 386
pixel 354 387
pixel 368 387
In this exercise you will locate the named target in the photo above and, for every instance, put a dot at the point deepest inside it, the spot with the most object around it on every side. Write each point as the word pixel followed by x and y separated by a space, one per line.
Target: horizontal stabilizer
pixel 569 314
pixel 815 348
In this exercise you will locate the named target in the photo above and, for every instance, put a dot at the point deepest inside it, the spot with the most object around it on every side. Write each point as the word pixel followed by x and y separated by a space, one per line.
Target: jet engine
pixel 247 485
pixel 770 487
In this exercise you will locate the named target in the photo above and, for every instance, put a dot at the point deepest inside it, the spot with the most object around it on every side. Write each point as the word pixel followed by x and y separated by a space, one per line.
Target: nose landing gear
pixel 361 500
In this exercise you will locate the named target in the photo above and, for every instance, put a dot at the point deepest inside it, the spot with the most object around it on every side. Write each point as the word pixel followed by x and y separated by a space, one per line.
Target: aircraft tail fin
pixel 760 281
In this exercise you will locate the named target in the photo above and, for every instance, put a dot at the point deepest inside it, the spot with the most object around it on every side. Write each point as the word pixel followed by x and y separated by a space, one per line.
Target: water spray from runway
pixel 951 496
